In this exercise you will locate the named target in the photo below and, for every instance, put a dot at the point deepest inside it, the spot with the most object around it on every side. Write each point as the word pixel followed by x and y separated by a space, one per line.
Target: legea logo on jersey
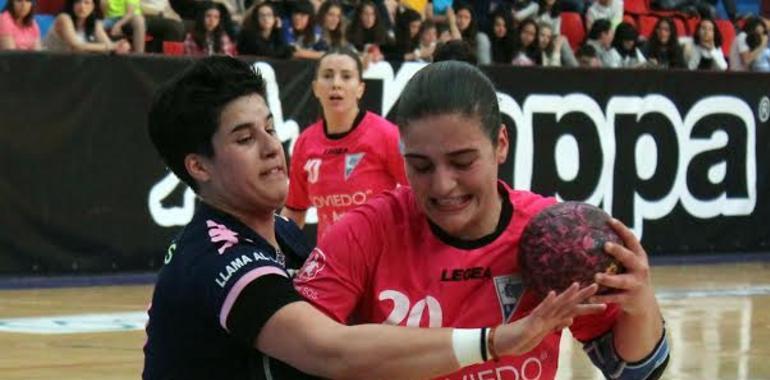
pixel 509 289
pixel 351 161
pixel 312 167
pixel 314 265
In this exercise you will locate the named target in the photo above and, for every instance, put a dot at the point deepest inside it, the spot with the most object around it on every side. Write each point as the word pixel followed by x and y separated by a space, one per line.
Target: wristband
pixel 465 344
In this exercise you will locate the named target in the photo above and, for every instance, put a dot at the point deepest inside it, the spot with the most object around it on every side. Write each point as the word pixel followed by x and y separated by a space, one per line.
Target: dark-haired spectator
pixel 741 55
pixel 209 36
pixel 124 18
pixel 706 51
pixel 587 56
pixel 367 32
pixel 426 45
pixel 455 50
pixel 331 21
pixel 18 29
pixel 468 27
pixel 79 29
pixel 502 36
pixel 408 23
pixel 600 38
pixel 549 12
pixel 261 35
pixel 526 49
pixel 611 10
pixel 554 48
pixel 663 49
pixel 300 31
pixel 625 44
pixel 762 62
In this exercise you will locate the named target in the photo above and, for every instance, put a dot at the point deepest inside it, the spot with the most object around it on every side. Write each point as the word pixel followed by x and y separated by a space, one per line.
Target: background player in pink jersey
pixel 223 306
pixel 347 157
pixel 443 252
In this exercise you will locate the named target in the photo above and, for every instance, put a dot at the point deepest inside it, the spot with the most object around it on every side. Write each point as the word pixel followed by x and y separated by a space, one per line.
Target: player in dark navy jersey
pixel 224 305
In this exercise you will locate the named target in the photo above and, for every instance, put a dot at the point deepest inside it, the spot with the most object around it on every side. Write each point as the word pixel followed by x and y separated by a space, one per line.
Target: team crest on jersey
pixel 351 161
pixel 313 265
pixel 509 289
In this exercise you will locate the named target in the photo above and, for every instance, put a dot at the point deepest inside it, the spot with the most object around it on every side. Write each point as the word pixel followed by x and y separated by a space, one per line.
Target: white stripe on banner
pixel 76 324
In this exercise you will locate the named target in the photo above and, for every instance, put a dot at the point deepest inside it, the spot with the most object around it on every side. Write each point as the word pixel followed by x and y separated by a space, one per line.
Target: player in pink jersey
pixel 443 253
pixel 347 157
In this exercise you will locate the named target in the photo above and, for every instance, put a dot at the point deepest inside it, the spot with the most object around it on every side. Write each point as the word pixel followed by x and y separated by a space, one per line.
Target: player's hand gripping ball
pixel 563 244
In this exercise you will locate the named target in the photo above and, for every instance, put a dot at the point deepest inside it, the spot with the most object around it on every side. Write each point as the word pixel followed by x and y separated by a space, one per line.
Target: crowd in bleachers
pixel 686 34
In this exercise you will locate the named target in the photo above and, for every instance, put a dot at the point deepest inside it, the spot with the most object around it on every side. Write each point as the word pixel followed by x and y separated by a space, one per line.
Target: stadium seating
pixel 728 34
pixel 173 48
pixel 646 25
pixel 44 22
pixel 51 7
pixel 573 28
pixel 636 7
pixel 681 28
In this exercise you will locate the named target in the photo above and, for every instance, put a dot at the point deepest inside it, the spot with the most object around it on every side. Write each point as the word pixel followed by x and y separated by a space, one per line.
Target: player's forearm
pixel 636 335
pixel 388 352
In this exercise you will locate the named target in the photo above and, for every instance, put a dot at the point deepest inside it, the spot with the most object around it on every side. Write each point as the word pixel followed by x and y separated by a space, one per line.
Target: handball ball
pixel 563 244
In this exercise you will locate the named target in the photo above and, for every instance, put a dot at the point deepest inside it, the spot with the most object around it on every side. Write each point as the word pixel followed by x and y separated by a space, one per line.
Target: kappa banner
pixel 680 157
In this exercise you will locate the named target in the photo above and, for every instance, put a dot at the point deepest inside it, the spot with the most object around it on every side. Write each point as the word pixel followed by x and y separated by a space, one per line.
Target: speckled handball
pixel 563 244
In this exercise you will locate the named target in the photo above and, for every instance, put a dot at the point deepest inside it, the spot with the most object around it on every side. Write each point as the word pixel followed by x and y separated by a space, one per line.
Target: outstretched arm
pixel 310 341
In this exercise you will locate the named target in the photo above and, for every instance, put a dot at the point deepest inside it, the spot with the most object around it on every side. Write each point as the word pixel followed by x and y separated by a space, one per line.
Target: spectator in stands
pixel 762 62
pixel 300 30
pixel 503 36
pixel 526 50
pixel 554 48
pixel 365 158
pixel 124 18
pixel 577 6
pixel 367 32
pixel 741 55
pixel 524 9
pixel 332 23
pixel 18 29
pixel 408 23
pixel 611 10
pixel 625 44
pixel 454 50
pixel 587 56
pixel 600 38
pixel 260 34
pixel 163 24
pixel 701 8
pixel 208 36
pixel 79 29
pixel 549 12
pixel 662 49
pixel 706 50
pixel 427 39
pixel 468 28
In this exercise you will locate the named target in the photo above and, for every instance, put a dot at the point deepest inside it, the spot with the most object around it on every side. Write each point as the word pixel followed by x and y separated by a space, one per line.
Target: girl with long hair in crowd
pixel 706 51
pixel 367 32
pixel 502 36
pixel 349 155
pixel 408 23
pixel 742 56
pixel 332 22
pixel 526 50
pixel 662 48
pixel 209 36
pixel 468 27
pixel 554 48
pixel 79 28
pixel 261 35
pixel 18 29
pixel 626 45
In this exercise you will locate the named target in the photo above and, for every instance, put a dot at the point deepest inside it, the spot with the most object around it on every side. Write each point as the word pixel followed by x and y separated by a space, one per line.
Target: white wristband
pixel 466 344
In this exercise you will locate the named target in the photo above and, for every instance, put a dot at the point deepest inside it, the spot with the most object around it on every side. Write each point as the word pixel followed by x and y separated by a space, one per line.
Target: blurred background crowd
pixel 679 34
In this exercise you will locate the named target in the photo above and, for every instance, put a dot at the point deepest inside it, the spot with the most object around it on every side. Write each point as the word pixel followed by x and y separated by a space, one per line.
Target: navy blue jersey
pixel 219 285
